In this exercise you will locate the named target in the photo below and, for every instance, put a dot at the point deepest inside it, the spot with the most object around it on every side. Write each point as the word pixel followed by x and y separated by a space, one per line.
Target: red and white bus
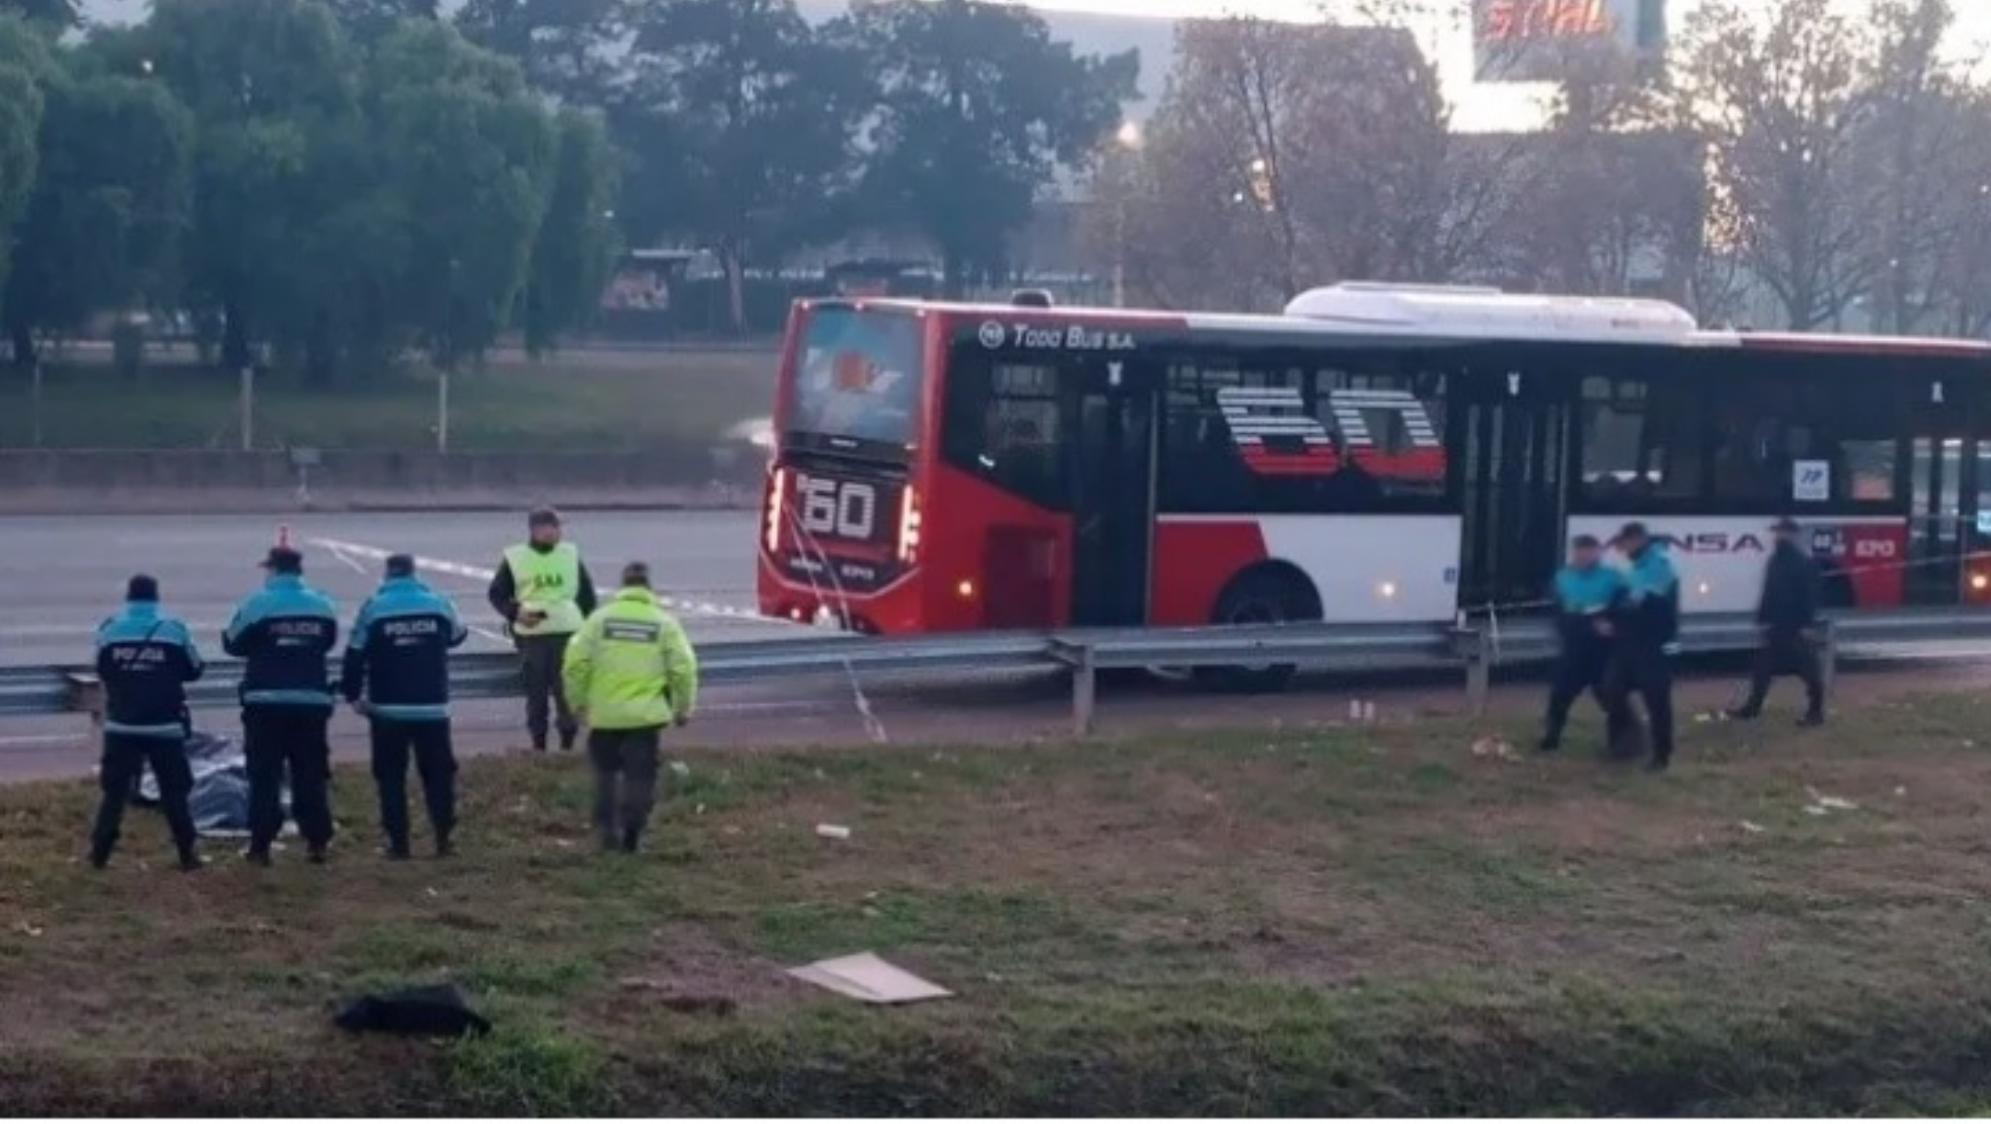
pixel 1374 454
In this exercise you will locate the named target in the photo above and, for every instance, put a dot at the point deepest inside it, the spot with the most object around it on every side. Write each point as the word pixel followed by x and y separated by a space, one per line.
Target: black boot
pixel 190 860
pixel 630 837
pixel 100 855
pixel 257 856
pixel 444 848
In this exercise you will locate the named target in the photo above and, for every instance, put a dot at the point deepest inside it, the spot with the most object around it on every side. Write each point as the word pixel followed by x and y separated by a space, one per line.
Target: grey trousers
pixel 541 657
pixel 625 764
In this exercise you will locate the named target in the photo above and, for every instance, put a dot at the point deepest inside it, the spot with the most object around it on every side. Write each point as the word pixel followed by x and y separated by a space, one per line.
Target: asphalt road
pixel 63 574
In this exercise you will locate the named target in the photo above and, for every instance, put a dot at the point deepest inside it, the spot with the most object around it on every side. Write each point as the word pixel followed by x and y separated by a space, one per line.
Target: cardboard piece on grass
pixel 866 977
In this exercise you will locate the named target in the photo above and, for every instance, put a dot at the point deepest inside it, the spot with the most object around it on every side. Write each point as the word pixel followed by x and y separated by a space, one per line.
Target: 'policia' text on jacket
pixel 145 660
pixel 398 654
pixel 286 633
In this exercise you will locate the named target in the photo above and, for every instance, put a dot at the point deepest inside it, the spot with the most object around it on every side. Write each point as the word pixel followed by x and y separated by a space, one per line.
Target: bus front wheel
pixel 1261 597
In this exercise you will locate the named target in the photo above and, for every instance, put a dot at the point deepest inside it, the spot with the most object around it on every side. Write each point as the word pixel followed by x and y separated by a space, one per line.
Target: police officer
pixel 286 632
pixel 1787 613
pixel 1646 624
pixel 631 672
pixel 542 588
pixel 1586 591
pixel 145 659
pixel 396 673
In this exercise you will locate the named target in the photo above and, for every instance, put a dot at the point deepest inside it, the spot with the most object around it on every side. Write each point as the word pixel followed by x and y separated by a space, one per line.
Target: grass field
pixel 1317 921
pixel 582 401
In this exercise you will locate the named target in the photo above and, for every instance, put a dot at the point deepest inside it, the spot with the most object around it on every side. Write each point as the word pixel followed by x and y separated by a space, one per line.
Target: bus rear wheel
pixel 1261 598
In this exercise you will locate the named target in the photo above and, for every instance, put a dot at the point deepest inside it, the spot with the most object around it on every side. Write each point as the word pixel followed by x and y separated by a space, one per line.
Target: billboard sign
pixel 1533 40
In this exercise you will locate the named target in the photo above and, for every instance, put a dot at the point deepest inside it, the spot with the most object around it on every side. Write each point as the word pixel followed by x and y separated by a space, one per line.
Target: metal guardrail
pixel 1475 647
pixel 1533 640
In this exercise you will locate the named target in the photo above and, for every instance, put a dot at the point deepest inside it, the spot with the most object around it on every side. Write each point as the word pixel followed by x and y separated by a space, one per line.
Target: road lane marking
pixel 484 574
pixel 489 634
pixel 346 558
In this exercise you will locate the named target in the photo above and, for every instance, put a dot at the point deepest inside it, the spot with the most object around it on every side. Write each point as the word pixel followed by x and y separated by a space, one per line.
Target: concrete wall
pixel 199 480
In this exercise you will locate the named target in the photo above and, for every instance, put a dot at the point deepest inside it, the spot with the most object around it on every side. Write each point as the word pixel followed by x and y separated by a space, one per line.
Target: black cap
pixel 284 560
pixel 636 573
pixel 1585 542
pixel 142 587
pixel 543 517
pixel 1786 526
pixel 400 565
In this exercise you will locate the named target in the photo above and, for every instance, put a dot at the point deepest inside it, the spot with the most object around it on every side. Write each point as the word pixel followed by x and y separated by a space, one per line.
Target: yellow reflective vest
pixel 548 583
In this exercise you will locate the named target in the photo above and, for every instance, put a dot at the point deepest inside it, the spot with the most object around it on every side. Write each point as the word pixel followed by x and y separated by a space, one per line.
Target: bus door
pixel 1113 491
pixel 1514 429
pixel 1941 526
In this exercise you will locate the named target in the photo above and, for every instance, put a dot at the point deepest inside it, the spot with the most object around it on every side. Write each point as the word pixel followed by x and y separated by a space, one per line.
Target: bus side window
pixel 1640 442
pixel 1202 471
pixel 1261 433
pixel 1755 444
pixel 1388 422
pixel 1002 423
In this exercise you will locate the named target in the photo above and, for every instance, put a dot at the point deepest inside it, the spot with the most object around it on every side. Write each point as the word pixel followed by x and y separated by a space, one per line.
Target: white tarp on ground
pixel 870 979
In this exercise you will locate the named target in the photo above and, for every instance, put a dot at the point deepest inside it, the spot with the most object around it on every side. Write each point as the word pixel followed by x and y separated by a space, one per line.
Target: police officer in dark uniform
pixel 1586 591
pixel 1647 625
pixel 396 673
pixel 285 632
pixel 1787 613
pixel 145 659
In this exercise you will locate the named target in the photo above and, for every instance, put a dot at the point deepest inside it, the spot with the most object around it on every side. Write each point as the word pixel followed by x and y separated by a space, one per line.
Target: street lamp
pixel 1261 184
pixel 1129 139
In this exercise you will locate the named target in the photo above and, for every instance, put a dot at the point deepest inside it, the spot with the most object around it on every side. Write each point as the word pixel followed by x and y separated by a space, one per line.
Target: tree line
pixel 1828 162
pixel 339 181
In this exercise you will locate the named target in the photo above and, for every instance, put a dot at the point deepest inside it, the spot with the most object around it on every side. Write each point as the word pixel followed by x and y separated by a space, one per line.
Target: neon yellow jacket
pixel 630 666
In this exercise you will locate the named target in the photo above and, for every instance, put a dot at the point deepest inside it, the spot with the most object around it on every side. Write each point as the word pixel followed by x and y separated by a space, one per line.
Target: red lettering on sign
pixel 1504 20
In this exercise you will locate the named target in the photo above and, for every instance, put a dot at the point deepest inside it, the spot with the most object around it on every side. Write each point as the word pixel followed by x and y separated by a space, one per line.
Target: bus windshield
pixel 858 378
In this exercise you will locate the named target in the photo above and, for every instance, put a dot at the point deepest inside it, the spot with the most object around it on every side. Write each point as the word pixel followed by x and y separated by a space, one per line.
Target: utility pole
pixel 248 407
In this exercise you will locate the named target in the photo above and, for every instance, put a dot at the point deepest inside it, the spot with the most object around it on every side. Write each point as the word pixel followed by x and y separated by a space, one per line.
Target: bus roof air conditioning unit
pixel 1031 298
pixel 1482 313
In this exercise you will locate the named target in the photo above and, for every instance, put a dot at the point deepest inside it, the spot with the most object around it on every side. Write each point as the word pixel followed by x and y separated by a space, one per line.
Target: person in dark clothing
pixel 286 632
pixel 1647 623
pixel 1786 614
pixel 145 659
pixel 1586 590
pixel 396 673
pixel 544 591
